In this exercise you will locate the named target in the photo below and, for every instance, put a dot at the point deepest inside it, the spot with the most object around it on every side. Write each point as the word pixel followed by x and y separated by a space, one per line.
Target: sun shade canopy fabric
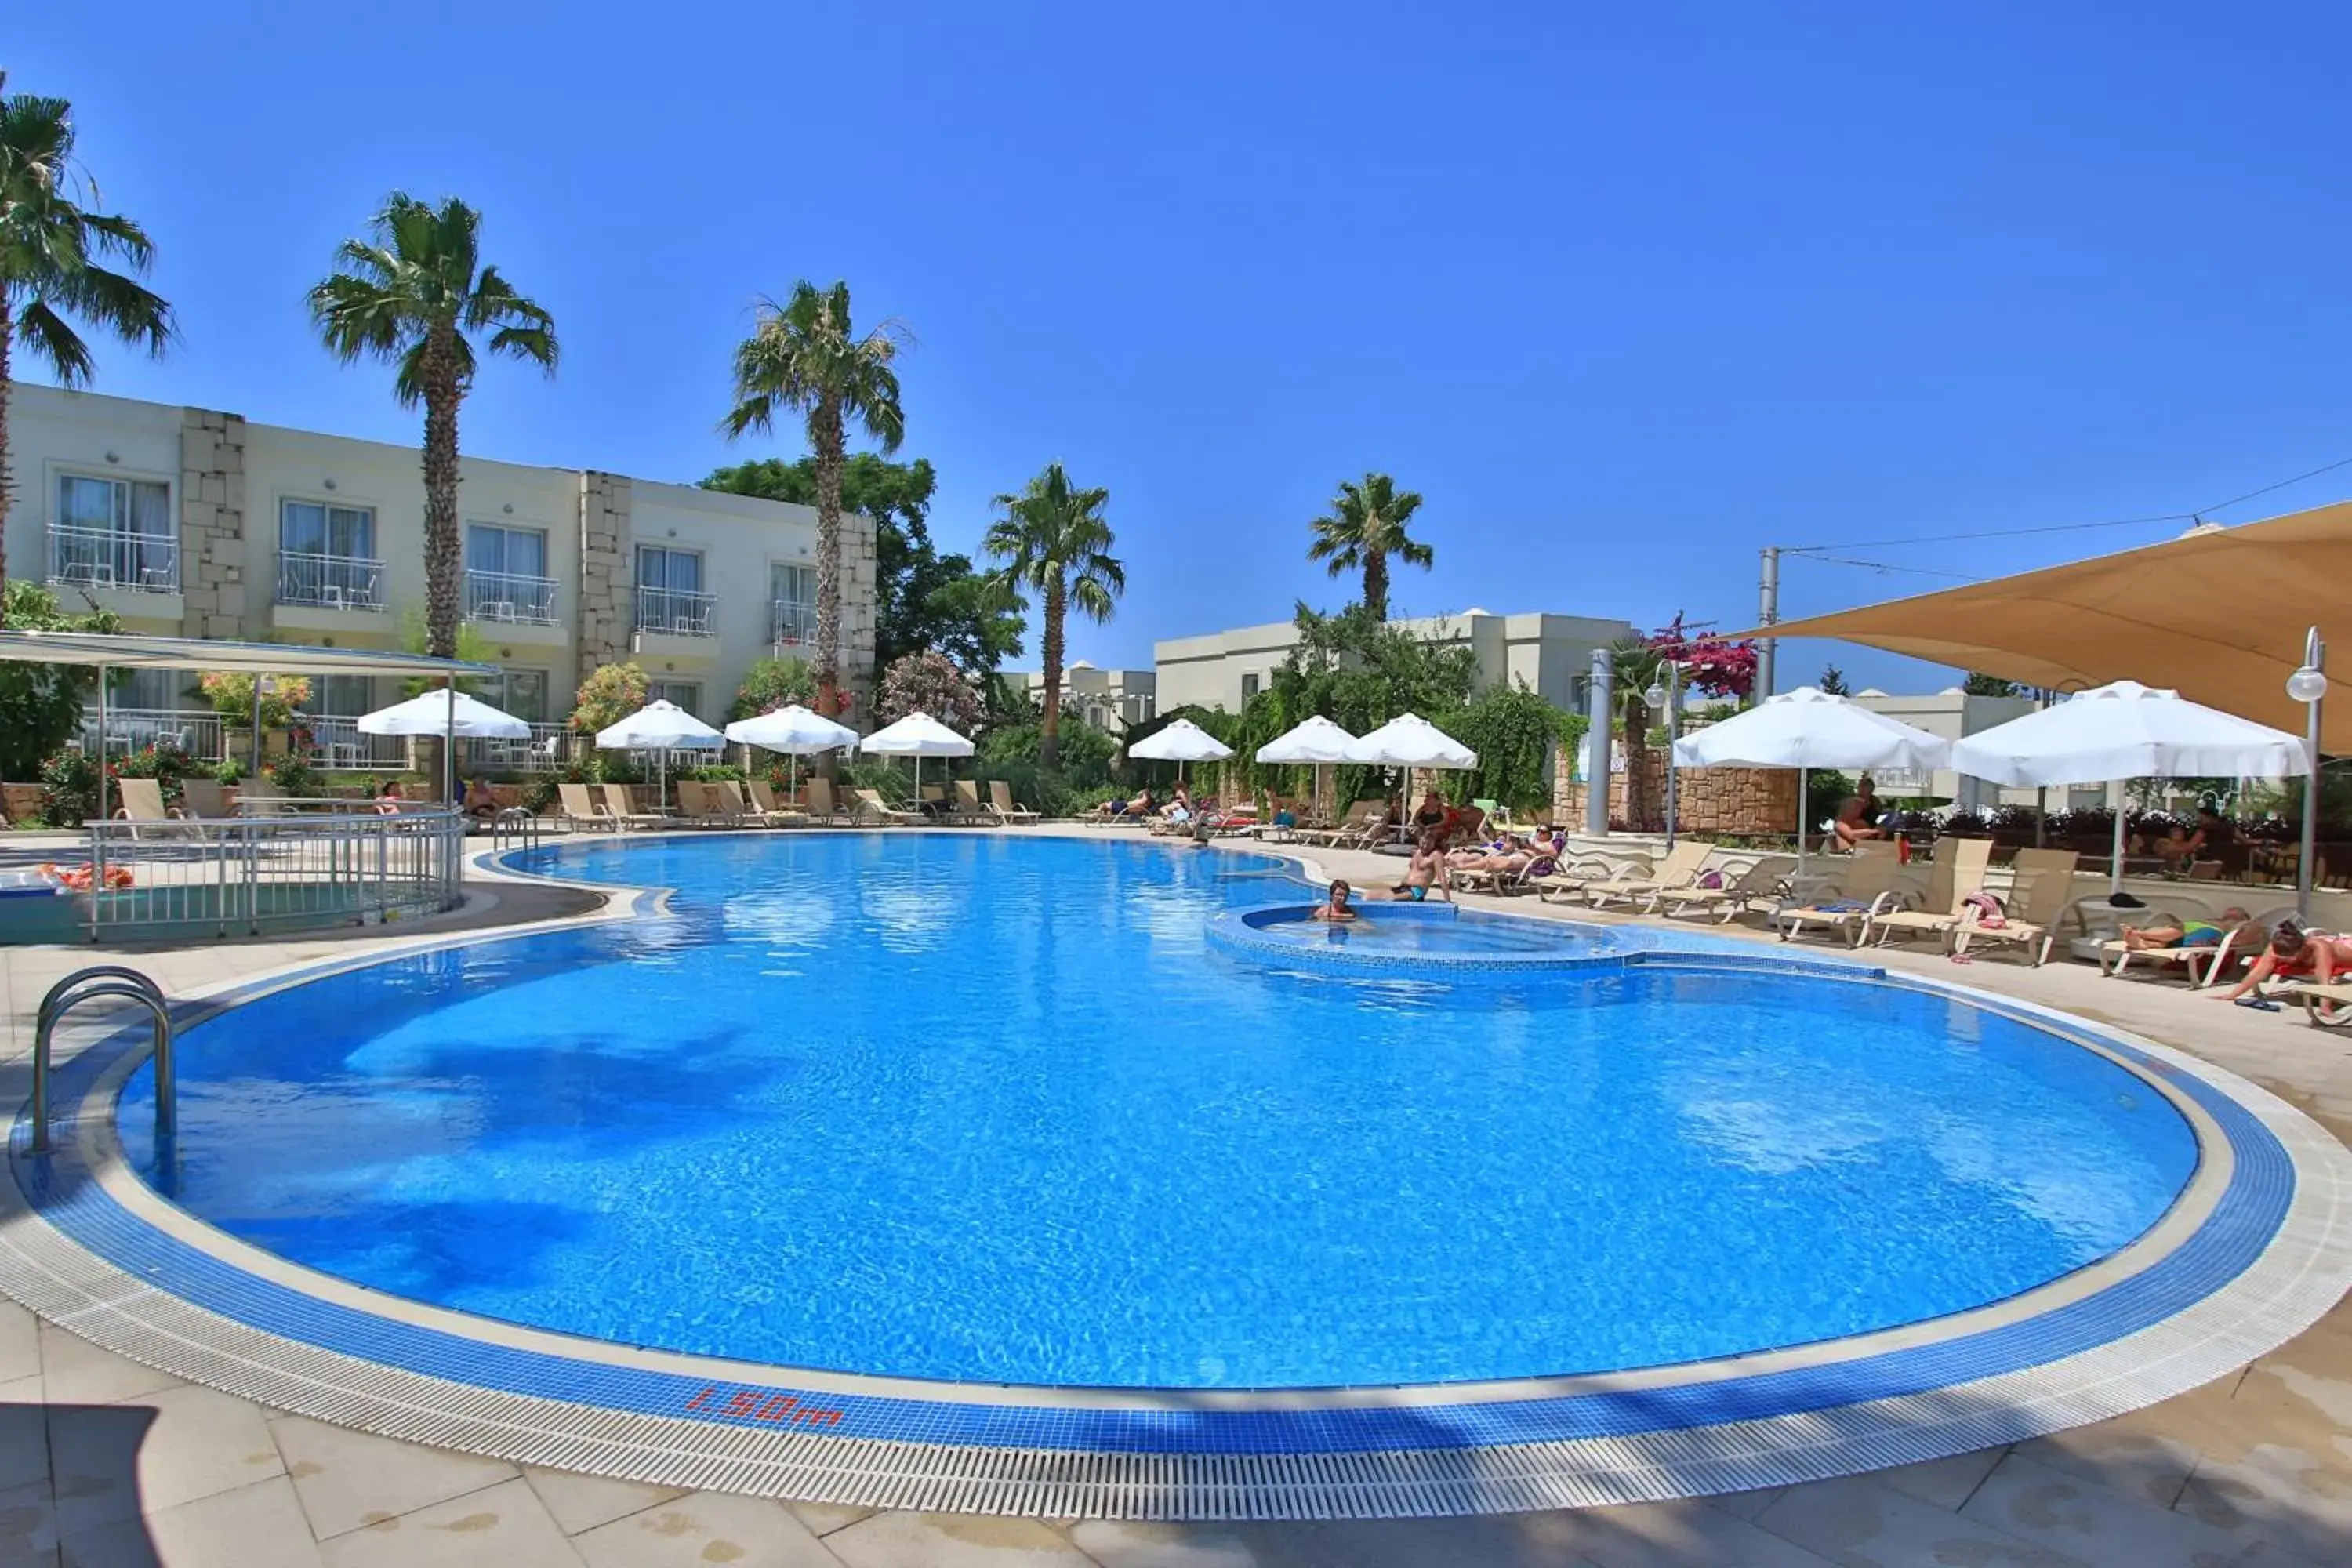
pixel 1181 741
pixel 198 653
pixel 1409 741
pixel 2218 615
pixel 2127 730
pixel 660 727
pixel 1810 729
pixel 1317 740
pixel 445 713
pixel 793 731
pixel 917 735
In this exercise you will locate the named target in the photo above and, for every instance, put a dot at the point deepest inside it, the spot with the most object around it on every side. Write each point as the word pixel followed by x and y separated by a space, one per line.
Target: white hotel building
pixel 193 522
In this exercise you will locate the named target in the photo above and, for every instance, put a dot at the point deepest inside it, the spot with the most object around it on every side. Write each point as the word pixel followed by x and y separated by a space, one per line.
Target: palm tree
pixel 414 293
pixel 51 261
pixel 803 354
pixel 1055 544
pixel 1365 528
pixel 1636 666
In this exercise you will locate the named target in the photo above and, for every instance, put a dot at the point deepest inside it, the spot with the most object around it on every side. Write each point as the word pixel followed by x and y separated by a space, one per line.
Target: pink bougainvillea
pixel 1719 667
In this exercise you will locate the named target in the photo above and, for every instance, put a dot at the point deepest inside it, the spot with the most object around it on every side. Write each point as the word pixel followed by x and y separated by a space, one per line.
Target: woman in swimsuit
pixel 2292 953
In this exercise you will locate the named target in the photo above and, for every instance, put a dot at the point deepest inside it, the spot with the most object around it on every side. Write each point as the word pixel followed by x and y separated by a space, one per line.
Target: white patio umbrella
pixel 1808 729
pixel 451 715
pixel 2127 730
pixel 918 736
pixel 1181 741
pixel 660 727
pixel 1409 741
pixel 795 731
pixel 1318 741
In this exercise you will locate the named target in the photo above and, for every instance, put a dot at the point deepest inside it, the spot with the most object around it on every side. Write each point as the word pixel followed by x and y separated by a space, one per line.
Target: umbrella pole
pixel 2115 874
pixel 1804 821
pixel 449 740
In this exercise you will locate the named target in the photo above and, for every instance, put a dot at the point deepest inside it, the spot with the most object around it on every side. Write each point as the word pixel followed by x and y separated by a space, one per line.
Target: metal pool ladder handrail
pixel 102 980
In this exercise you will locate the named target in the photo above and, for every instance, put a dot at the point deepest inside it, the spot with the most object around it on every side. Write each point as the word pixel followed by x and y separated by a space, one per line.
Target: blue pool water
pixel 990 1107
pixel 1431 930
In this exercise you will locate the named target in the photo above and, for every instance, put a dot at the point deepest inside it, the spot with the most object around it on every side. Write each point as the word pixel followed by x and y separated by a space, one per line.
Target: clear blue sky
pixel 1626 296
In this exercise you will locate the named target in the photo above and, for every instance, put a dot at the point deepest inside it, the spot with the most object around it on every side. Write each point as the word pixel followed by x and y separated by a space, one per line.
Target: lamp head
pixel 1656 696
pixel 2307 684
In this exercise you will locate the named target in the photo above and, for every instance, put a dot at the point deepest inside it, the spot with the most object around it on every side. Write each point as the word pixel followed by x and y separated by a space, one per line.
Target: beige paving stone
pixel 1748 1505
pixel 1116 1544
pixel 78 1373
pixel 259 1526
pixel 951 1541
pixel 825 1517
pixel 24 1435
pixel 2070 1515
pixel 1688 1534
pixel 20 1343
pixel 505 1526
pixel 113 1461
pixel 2140 1460
pixel 29 1523
pixel 1857 1523
pixel 347 1479
pixel 583 1502
pixel 1946 1483
pixel 1509 1541
pixel 704 1527
pixel 2276 1494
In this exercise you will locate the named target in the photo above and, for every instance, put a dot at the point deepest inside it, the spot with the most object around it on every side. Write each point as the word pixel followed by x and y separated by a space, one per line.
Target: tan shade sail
pixel 2218 617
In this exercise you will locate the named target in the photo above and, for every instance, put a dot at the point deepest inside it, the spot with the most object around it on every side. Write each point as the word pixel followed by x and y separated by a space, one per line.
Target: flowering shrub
pixel 929 682
pixel 1719 667
pixel 231 694
pixel 609 694
pixel 69 789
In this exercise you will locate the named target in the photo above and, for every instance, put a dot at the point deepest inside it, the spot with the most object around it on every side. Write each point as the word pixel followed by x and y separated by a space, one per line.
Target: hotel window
pixel 1249 686
pixel 326 556
pixel 341 696
pixel 522 692
pixel 669 591
pixel 115 533
pixel 686 694
pixel 792 592
pixel 506 574
pixel 340 532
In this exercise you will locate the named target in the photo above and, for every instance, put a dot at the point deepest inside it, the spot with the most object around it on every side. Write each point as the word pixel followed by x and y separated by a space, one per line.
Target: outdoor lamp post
pixel 2308 686
pixel 1665 697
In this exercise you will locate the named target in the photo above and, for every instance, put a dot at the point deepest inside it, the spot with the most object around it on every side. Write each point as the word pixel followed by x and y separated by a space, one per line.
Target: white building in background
pixel 1549 654
pixel 1110 699
pixel 1948 715
pixel 194 522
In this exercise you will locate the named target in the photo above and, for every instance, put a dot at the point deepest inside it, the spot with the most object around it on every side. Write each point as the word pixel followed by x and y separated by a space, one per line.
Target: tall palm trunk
pixel 829 463
pixel 5 481
pixel 1376 584
pixel 442 553
pixel 1049 745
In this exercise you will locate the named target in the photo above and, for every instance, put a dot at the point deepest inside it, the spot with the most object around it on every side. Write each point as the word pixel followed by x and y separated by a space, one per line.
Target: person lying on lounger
pixel 2294 954
pixel 2168 932
pixel 1133 810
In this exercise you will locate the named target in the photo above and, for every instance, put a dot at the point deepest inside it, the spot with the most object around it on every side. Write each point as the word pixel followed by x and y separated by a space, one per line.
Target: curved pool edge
pixel 1180 1454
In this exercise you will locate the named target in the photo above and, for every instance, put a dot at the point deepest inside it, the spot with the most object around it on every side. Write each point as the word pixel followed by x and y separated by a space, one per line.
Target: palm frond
pixel 122 305
pixel 53 340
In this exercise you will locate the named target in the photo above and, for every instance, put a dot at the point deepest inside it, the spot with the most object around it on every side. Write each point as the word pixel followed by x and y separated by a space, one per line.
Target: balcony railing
pixel 508 599
pixel 111 558
pixel 794 623
pixel 135 728
pixel 549 748
pixel 677 612
pixel 329 582
pixel 336 742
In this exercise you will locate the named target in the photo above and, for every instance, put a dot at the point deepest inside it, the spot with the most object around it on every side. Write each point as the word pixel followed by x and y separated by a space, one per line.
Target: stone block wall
pixel 607 571
pixel 1707 800
pixel 211 523
pixel 858 594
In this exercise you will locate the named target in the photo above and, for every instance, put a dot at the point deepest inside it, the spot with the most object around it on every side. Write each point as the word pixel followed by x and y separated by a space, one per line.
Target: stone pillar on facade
pixel 857 606
pixel 607 571
pixel 213 551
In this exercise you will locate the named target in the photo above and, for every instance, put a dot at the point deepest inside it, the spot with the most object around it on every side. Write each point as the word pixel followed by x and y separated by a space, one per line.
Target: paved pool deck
pixel 105 1461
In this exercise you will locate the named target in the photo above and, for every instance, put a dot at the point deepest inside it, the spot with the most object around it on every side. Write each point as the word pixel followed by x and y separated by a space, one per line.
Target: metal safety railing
pixel 258 873
pixel 101 982
pixel 114 558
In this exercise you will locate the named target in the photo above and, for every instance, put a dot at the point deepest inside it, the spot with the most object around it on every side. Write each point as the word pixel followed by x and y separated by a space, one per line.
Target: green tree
pixel 1832 681
pixel 922 599
pixel 1366 526
pixel 1055 544
pixel 803 355
pixel 41 704
pixel 1515 732
pixel 771 684
pixel 1979 684
pixel 415 636
pixel 53 256
pixel 1358 672
pixel 609 694
pixel 415 293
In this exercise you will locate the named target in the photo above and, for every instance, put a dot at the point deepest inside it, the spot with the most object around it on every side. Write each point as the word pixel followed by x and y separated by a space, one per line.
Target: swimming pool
pixel 984 1109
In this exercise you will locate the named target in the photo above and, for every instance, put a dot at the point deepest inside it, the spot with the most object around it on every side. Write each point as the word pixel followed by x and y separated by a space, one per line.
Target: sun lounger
pixel 621 806
pixel 1864 889
pixel 964 804
pixel 701 806
pixel 2043 893
pixel 2328 1006
pixel 1571 874
pixel 1007 809
pixel 139 802
pixel 1958 870
pixel 765 806
pixel 1764 881
pixel 205 800
pixel 1678 869
pixel 2203 965
pixel 871 806
pixel 822 806
pixel 1351 826
pixel 579 811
